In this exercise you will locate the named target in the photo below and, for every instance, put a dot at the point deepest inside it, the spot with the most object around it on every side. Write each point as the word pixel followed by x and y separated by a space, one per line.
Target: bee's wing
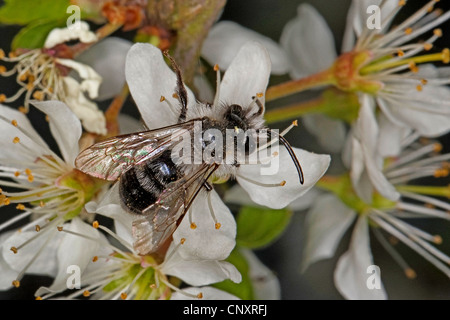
pixel 108 159
pixel 160 219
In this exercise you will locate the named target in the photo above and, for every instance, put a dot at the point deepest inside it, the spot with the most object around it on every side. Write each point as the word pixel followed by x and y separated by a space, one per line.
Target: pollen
pixel 216 67
pixel 14 249
pixel 193 226
pixel 217 225
pixel 123 295
pixel 16 283
pixel 182 240
pixel 20 207
pixel 424 81
pixel 86 293
pixel 16 140
pixel 95 224
pixel 38 228
pixel 408 30
pixel 95 259
pixel 14 123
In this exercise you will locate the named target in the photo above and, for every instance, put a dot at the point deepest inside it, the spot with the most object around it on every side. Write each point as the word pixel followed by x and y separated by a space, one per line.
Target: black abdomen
pixel 141 185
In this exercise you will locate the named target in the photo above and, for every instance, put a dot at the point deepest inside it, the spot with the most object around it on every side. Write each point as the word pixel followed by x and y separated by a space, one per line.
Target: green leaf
pixel 259 227
pixel 33 35
pixel 23 12
pixel 244 289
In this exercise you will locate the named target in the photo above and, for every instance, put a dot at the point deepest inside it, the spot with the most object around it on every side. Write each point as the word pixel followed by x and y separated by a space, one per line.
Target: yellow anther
pixel 408 30
pixel 28 171
pixel 175 95
pixel 437 32
pixel 38 228
pixel 424 81
pixel 401 3
pixel 200 295
pixel 282 183
pixel 14 249
pixel 2 54
pixel 60 228
pixel 12 55
pixel 182 240
pixel 413 67
pixel 41 204
pixel 193 225
pixel 217 225
pixel 419 87
pixel 162 99
pixel 410 273
pixel 123 295
pixel 400 53
pixel 16 283
pixel 427 46
pixel 95 259
pixel 441 173
pixel 295 123
pixel 16 140
pixel 38 95
pixel 260 94
pixel 38 298
pixel 23 110
pixel 86 293
pixel 445 55
pixel 437 147
pixel 30 178
pixel 14 123
pixel 2 69
pixel 216 67
pixel 437 239
pixel 2 97
pixel 95 224
pixel 20 207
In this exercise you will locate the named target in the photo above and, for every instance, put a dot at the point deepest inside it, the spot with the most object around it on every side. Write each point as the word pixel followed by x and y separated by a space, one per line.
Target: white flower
pixel 380 64
pixel 149 79
pixel 119 272
pixel 45 186
pixel 44 74
pixel 331 216
pixel 77 31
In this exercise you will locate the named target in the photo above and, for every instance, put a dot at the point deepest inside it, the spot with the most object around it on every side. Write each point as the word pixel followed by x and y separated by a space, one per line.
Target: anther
pixel 86 293
pixel 38 95
pixel 162 99
pixel 410 273
pixel 437 32
pixel 217 225
pixel 38 228
pixel 216 67
pixel 16 174
pixel 23 110
pixel 441 173
pixel 401 3
pixel 38 298
pixel 2 54
pixel 400 53
pixel 413 67
pixel 193 226
pixel 41 204
pixel 2 97
pixel 60 228
pixel 16 140
pixel 20 207
pixel 153 286
pixel 95 224
pixel 427 46
pixel 28 171
pixel 16 283
pixel 408 30
pixel 14 123
pixel 30 178
pixel 260 94
pixel 282 183
pixel 95 259
pixel 446 55
pixel 123 295
pixel 2 69
pixel 424 81
pixel 182 240
pixel 437 239
pixel 200 295
pixel 14 249
pixel 295 123
pixel 437 147
pixel 175 95
pixel 419 87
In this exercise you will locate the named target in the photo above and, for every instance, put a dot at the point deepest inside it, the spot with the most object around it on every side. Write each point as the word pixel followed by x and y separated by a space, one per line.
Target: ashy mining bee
pixel 157 183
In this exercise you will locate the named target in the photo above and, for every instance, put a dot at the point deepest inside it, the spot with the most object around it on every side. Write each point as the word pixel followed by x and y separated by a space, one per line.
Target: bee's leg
pixel 260 106
pixel 208 186
pixel 180 89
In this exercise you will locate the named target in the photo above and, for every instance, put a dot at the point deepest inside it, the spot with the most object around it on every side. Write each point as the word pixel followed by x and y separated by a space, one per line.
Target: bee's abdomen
pixel 141 185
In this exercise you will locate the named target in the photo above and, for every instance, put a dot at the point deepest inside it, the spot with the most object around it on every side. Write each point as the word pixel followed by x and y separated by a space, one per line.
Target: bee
pixel 156 187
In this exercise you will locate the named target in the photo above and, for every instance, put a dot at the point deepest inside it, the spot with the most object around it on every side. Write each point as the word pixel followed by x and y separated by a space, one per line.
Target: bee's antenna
pixel 291 153
pixel 181 90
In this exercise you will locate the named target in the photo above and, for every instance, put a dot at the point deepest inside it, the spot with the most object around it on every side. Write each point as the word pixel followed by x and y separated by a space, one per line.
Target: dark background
pixel 284 256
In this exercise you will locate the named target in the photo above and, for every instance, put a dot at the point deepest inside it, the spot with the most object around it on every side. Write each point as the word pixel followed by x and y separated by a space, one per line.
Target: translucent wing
pixel 108 159
pixel 160 219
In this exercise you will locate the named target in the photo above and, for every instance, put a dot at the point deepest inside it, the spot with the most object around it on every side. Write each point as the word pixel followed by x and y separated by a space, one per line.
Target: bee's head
pixel 236 117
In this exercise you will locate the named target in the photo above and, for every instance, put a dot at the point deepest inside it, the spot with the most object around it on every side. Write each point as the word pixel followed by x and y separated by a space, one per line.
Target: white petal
pixel 90 79
pixel 12 153
pixel 326 223
pixel 199 272
pixel 309 42
pixel 149 78
pixel 226 37
pixel 64 126
pixel 92 118
pixel 78 30
pixel 247 75
pixel 45 263
pixel 330 133
pixel 391 137
pixel 128 124
pixel 220 241
pixel 266 285
pixel 208 293
pixel 107 58
pixel 8 274
pixel 350 276
pixel 282 169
